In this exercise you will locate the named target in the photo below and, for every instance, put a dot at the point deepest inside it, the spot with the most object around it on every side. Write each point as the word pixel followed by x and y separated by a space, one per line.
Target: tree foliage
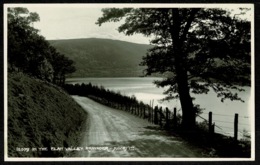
pixel 105 96
pixel 195 49
pixel 30 52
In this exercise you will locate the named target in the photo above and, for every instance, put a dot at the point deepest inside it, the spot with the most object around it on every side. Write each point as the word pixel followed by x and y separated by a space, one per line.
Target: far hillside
pixel 103 57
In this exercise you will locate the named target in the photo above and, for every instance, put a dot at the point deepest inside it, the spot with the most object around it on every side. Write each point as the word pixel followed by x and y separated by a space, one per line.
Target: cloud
pixel 69 23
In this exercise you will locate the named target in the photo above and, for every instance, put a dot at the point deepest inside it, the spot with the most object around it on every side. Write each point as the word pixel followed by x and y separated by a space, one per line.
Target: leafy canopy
pixel 30 52
pixel 215 46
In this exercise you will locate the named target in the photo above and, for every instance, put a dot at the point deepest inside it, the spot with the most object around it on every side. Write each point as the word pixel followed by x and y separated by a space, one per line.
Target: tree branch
pixel 188 24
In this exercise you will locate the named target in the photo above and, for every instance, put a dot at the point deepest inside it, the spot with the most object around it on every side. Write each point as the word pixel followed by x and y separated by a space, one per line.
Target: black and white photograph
pixel 129 82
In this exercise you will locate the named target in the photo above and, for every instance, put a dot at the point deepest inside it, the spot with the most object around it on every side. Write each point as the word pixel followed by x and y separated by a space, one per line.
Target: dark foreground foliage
pixel 41 114
pixel 31 53
pixel 216 145
pixel 102 95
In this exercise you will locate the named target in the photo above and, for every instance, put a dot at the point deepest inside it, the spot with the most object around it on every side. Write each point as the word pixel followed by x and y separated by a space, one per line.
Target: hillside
pixel 41 115
pixel 103 57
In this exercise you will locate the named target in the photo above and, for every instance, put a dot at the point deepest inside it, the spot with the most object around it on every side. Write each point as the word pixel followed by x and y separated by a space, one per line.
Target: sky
pixel 78 21
pixel 69 23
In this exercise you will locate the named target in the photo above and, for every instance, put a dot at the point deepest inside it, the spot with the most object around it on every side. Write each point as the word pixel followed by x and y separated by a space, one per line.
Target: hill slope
pixel 41 115
pixel 103 57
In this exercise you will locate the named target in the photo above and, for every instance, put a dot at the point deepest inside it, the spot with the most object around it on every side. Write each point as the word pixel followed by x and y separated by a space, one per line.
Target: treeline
pixel 103 96
pixel 30 52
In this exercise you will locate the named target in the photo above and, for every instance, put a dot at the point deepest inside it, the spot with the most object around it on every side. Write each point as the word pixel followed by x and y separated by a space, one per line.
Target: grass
pixel 41 115
pixel 214 144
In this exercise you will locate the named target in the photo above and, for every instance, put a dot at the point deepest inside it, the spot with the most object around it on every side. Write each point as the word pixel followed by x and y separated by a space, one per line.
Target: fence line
pixel 202 118
pixel 227 127
pixel 224 132
pixel 223 121
pixel 221 114
pixel 168 119
pixel 217 114
pixel 243 123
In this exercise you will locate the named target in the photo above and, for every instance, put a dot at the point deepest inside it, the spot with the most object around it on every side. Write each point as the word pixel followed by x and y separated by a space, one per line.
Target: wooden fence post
pixel 167 118
pixel 144 115
pixel 160 119
pixel 149 114
pixel 151 109
pixel 210 122
pixel 174 117
pixel 155 115
pixel 141 111
pixel 211 126
pixel 236 126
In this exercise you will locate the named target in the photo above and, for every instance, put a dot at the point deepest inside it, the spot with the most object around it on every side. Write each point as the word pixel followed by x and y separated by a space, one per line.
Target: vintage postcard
pixel 129 82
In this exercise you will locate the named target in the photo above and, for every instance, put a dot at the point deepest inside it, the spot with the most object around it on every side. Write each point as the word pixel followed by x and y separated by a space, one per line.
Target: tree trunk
pixel 188 113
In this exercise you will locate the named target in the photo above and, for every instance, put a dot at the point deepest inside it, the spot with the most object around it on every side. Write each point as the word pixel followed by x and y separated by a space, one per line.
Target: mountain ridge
pixel 96 57
pixel 65 39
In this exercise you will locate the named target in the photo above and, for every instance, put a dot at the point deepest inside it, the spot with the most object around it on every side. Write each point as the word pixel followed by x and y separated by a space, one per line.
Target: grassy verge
pixel 41 115
pixel 217 145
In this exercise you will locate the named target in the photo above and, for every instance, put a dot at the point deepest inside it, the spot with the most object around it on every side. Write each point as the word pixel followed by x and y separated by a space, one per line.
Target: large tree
pixel 19 33
pixel 194 49
pixel 61 66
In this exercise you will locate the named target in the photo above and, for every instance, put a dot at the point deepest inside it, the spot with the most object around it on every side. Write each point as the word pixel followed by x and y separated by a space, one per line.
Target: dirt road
pixel 116 133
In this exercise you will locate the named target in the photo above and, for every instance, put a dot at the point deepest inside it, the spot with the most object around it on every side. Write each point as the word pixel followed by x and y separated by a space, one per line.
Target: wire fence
pixel 225 124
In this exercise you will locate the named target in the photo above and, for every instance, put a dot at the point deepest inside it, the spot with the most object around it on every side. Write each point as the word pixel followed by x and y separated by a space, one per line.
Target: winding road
pixel 116 133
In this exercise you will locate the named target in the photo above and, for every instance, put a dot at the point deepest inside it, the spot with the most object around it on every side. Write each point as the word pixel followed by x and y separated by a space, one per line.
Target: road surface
pixel 116 133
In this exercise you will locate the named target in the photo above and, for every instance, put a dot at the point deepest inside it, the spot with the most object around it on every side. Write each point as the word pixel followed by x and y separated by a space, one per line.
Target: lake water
pixel 144 90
